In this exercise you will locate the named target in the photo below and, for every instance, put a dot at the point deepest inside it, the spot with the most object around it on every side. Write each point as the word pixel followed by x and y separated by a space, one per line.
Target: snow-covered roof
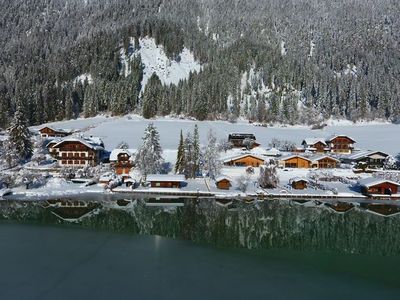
pixel 222 177
pixel 55 129
pixel 371 181
pixel 294 156
pixel 130 179
pixel 332 137
pixel 319 157
pixel 53 141
pixel 313 141
pixel 107 176
pixel 273 152
pixel 165 177
pixel 90 143
pixel 297 179
pixel 364 154
pixel 114 153
pixel 236 157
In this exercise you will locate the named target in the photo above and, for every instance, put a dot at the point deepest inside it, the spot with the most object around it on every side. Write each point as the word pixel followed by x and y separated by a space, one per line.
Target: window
pixel 158 184
pixel 82 162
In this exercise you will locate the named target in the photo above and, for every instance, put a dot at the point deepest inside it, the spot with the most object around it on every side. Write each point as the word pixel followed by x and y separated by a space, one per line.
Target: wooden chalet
pixel 377 186
pixel 49 132
pixel 238 140
pixel 295 161
pixel 223 182
pixel 50 147
pixel 341 144
pixel 166 180
pixel 298 183
pixel 122 161
pixel 79 152
pixel 324 162
pixel 371 159
pixel 315 145
pixel 244 160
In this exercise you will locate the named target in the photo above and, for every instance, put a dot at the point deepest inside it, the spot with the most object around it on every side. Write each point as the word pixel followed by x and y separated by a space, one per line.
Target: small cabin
pixel 244 160
pixel 341 144
pixel 239 140
pixel 295 161
pixel 376 186
pixel 49 132
pixel 223 183
pixel 166 180
pixel 298 183
pixel 315 145
pixel 324 162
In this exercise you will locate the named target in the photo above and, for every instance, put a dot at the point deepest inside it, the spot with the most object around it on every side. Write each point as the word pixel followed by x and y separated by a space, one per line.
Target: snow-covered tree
pixel 123 145
pixel 390 163
pixel 268 178
pixel 180 158
pixel 18 146
pixel 248 143
pixel 212 162
pixel 196 151
pixel 149 156
pixel 243 182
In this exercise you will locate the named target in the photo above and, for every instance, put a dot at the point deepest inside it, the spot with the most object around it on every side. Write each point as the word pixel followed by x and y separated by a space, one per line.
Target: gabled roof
pixel 115 152
pixel 88 143
pixel 273 152
pixel 319 157
pixel 364 154
pixel 236 157
pixel 222 177
pixel 294 156
pixel 371 181
pixel 297 179
pixel 55 129
pixel 54 141
pixel 331 138
pixel 313 141
pixel 166 177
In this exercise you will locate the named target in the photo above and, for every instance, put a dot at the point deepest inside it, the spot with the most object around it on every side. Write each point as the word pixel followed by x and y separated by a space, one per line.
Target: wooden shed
pixel 223 182
pixel 298 183
pixel 166 180
pixel 377 186
pixel 295 161
pixel 245 160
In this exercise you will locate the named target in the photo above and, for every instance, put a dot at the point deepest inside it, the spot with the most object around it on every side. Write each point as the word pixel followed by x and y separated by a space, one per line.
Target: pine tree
pixel 196 151
pixel 149 156
pixel 180 159
pixel 152 97
pixel 212 163
pixel 19 138
pixel 189 163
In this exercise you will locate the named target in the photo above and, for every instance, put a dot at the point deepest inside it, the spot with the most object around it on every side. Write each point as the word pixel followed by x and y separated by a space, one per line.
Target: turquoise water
pixel 69 262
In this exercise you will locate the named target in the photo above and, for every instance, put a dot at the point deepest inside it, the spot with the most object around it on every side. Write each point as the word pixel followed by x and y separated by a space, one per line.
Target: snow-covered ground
pixel 113 130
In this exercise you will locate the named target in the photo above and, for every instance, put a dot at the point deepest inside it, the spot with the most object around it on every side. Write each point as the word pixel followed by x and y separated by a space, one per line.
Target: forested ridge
pixel 289 61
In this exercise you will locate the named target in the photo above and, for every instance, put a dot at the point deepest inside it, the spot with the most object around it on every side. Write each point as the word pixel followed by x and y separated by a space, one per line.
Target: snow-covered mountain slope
pixel 156 61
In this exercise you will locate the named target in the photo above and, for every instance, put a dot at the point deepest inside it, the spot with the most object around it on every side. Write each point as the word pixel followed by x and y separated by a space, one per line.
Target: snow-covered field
pixel 376 136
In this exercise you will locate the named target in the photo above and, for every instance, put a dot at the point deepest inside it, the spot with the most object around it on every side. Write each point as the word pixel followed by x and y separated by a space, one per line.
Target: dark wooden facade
pixel 124 164
pixel 76 153
pixel 165 184
pixel 383 188
pixel 325 163
pixel 237 140
pixel 341 144
pixel 223 184
pixel 299 184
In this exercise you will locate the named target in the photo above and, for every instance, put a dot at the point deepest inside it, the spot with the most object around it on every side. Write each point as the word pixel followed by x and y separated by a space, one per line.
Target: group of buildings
pixel 79 151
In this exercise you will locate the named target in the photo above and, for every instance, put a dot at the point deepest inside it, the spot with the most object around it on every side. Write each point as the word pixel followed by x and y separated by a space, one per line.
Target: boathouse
pixel 46 132
pixel 377 186
pixel 298 183
pixel 166 180
pixel 295 161
pixel 244 160
pixel 223 182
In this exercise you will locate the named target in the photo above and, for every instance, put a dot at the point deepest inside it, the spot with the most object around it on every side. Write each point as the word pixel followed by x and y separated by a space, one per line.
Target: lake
pixel 64 262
